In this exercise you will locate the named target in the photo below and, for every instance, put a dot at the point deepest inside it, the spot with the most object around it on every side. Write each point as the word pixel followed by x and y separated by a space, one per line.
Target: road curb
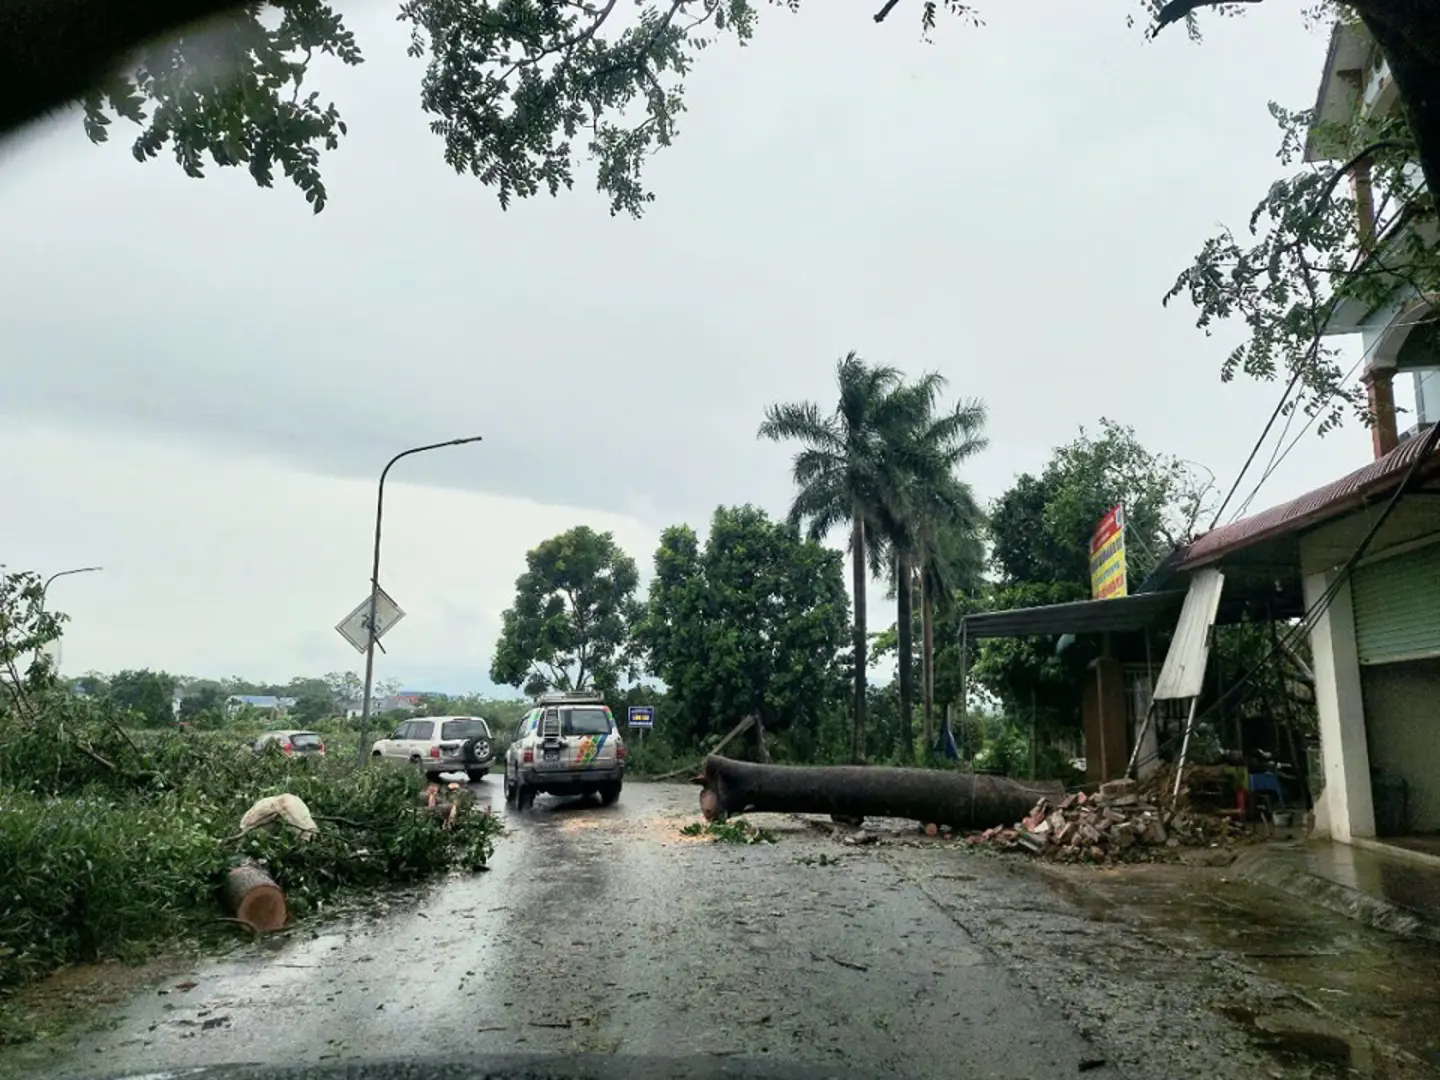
pixel 1286 871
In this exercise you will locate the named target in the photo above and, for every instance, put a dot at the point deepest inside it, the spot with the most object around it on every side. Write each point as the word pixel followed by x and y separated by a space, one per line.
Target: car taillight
pixel 320 749
pixel 620 751
pixel 287 747
pixel 528 756
pixel 434 751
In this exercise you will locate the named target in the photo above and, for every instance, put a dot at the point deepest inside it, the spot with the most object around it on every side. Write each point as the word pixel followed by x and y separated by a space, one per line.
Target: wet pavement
pixel 604 929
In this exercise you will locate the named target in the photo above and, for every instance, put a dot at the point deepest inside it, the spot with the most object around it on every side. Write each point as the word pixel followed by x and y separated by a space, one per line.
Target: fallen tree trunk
pixel 958 799
pixel 255 898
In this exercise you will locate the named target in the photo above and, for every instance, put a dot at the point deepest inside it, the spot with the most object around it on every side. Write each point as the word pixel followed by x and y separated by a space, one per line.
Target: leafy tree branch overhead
pixel 1328 239
pixel 518 90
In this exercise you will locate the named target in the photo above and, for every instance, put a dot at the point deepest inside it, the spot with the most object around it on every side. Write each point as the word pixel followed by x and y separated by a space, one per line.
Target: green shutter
pixel 1397 607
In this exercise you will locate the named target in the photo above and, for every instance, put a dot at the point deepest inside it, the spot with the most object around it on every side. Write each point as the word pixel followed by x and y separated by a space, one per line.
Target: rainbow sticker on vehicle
pixel 589 749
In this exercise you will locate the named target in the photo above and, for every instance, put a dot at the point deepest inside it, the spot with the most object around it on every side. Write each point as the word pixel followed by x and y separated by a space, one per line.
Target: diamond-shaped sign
pixel 355 627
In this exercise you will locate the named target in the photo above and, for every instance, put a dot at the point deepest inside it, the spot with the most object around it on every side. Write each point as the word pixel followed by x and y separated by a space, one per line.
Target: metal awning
pixel 1138 612
pixel 1183 675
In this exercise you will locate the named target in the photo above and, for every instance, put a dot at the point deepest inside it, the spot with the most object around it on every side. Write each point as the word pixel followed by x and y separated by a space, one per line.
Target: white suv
pixel 568 744
pixel 440 744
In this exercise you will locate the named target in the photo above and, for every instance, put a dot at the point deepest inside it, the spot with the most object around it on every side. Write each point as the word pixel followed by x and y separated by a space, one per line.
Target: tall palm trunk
pixel 905 625
pixel 927 657
pixel 857 549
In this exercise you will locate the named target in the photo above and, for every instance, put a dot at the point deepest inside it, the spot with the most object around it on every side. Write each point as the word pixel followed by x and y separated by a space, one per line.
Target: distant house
pixel 404 700
pixel 263 702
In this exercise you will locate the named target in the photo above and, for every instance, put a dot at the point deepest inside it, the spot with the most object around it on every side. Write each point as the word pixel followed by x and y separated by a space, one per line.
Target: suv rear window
pixel 469 728
pixel 304 740
pixel 587 721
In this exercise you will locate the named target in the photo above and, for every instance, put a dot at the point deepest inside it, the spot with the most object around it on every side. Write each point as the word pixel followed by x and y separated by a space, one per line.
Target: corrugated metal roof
pixel 1183 674
pixel 1079 617
pixel 1334 499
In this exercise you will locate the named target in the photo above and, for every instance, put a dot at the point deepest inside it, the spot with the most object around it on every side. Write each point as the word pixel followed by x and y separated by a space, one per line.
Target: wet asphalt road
pixel 605 930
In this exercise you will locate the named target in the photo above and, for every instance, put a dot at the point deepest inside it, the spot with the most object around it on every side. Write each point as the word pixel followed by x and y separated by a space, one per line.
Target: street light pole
pixel 375 579
pixel 45 589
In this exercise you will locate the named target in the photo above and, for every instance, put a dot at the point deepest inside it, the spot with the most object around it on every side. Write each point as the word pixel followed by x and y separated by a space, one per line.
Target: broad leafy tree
pixel 1040 549
pixel 346 687
pixel 147 695
pixel 750 625
pixel 1040 528
pixel 313 706
pixel 569 628
pixel 203 705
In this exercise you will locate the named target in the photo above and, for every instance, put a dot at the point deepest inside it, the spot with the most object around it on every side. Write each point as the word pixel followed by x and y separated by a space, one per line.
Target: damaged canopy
pixel 1141 611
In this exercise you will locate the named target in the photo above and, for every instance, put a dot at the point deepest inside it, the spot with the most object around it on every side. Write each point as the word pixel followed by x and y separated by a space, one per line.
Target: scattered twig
pixel 340 820
pixel 881 15
pixel 836 960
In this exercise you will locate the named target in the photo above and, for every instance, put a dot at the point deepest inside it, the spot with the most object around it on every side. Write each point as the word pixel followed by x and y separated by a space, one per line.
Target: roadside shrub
pixel 91 878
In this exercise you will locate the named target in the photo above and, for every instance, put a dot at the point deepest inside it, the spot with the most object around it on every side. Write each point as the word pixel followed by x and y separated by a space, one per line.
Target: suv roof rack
pixel 571 697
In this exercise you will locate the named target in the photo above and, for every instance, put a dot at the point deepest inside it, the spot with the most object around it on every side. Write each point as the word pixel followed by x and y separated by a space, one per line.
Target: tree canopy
pixel 752 625
pixel 569 627
pixel 518 90
pixel 146 695
pixel 1040 544
pixel 1040 528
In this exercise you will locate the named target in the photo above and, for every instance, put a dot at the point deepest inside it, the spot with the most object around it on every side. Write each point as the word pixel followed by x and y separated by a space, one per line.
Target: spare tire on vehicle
pixel 475 750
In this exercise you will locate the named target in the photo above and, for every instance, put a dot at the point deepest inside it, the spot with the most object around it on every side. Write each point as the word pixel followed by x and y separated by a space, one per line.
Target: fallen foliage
pixel 114 841
pixel 732 831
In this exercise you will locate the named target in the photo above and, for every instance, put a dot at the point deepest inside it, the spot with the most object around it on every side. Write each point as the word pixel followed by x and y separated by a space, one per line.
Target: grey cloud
pixel 1006 206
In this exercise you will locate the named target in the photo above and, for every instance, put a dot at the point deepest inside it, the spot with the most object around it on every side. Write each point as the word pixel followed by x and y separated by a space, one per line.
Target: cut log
pixel 255 898
pixel 959 799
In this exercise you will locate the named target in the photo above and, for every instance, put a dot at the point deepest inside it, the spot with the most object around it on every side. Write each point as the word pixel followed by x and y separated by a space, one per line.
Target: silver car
pixel 439 745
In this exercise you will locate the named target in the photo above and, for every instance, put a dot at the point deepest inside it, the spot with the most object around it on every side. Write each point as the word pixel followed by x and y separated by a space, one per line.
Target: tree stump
pixel 255 899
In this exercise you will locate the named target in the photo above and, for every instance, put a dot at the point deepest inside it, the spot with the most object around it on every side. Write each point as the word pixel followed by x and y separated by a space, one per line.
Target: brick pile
pixel 1118 822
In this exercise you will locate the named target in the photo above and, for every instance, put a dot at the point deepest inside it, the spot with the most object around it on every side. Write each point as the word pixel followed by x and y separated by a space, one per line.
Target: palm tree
pixel 929 502
pixel 951 562
pixel 845 474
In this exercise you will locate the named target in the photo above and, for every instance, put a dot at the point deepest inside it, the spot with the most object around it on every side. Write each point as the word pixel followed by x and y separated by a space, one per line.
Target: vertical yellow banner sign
pixel 1107 556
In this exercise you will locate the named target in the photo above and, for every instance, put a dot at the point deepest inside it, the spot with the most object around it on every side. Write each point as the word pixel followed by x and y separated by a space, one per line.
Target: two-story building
pixel 1398 322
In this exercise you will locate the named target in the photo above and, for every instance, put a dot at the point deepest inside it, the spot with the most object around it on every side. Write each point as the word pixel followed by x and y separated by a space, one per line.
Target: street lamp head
pixel 468 439
pixel 66 573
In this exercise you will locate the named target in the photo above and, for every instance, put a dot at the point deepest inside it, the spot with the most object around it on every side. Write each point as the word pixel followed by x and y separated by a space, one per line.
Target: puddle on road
pixel 1353 992
pixel 1294 1038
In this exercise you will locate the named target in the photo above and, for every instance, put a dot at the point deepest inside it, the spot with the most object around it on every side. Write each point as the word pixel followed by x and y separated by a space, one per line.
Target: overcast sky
pixel 201 380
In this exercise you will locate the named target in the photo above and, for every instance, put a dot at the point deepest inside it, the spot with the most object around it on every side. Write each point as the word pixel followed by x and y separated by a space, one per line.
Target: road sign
pixel 354 627
pixel 642 716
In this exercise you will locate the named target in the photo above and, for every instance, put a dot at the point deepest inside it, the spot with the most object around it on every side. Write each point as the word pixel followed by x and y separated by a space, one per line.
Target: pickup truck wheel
pixel 609 793
pixel 524 797
pixel 433 777
pixel 476 775
pixel 509 792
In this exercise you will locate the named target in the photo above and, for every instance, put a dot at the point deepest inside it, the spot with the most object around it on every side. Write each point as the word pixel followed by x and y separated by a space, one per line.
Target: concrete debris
pixel 1118 822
